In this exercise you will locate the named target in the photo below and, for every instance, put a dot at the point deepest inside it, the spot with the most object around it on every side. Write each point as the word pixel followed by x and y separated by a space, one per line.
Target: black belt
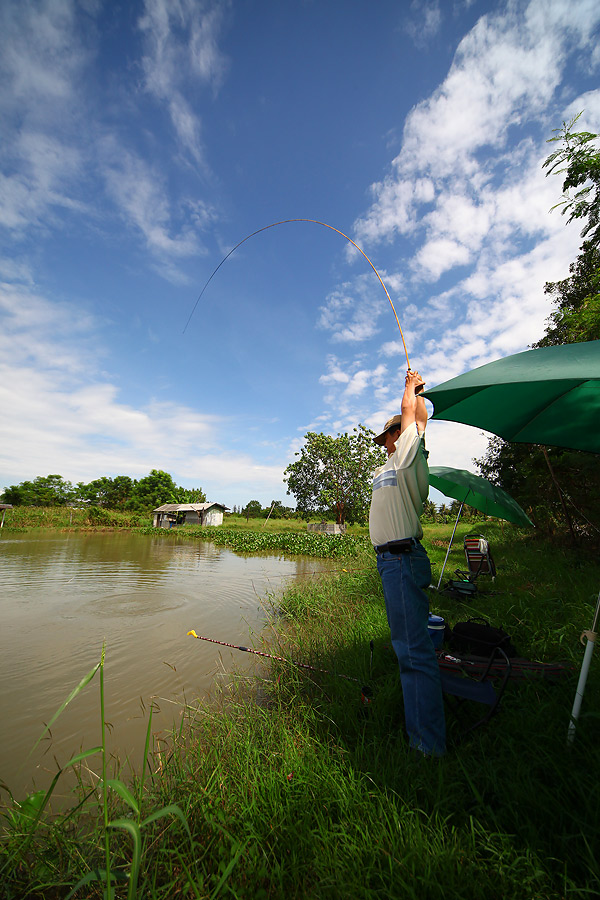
pixel 404 546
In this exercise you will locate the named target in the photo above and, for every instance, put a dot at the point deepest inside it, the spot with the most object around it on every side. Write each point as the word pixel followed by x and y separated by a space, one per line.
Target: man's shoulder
pixel 406 446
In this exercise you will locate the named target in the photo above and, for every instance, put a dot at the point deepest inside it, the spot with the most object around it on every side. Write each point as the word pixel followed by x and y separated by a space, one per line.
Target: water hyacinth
pixel 323 546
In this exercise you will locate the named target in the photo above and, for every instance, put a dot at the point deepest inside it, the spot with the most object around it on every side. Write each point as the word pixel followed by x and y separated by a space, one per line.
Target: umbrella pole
pixel 560 494
pixel 450 544
pixel 587 659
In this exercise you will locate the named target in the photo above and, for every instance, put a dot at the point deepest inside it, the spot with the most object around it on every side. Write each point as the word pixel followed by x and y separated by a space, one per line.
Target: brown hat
pixel 395 420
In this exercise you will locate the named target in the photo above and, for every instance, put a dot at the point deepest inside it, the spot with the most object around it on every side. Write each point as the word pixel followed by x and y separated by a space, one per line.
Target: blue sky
pixel 143 140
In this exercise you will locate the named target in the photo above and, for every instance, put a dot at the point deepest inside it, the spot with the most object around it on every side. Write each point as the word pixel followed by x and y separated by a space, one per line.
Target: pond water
pixel 63 595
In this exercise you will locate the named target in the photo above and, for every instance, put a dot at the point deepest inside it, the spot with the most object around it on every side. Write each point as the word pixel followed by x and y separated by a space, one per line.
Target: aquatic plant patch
pixel 325 546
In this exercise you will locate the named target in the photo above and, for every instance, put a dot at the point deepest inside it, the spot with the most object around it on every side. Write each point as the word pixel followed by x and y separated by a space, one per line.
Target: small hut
pixel 172 515
pixel 3 508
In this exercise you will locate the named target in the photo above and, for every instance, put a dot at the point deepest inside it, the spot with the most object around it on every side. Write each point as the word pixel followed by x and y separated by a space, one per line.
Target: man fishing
pixel 400 488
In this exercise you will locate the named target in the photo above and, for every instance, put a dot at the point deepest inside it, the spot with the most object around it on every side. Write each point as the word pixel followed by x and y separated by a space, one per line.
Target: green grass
pixel 291 788
pixel 27 518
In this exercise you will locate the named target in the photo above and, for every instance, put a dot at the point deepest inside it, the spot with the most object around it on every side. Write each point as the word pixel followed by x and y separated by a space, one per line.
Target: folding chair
pixel 481 686
pixel 479 558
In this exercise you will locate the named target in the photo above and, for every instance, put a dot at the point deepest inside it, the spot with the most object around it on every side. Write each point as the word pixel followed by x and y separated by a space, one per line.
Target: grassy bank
pixel 26 518
pixel 294 789
pixel 64 518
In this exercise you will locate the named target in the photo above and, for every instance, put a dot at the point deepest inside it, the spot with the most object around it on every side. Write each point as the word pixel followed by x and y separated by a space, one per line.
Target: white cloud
pixel 181 47
pixel 61 148
pixel 504 73
pixel 438 255
pixel 455 445
pixel 138 189
pixel 61 415
pixel 351 313
pixel 43 60
pixel 468 190
pixel 40 57
pixel 423 21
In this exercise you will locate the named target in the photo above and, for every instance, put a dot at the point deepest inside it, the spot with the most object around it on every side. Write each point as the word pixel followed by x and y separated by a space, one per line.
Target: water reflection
pixel 64 594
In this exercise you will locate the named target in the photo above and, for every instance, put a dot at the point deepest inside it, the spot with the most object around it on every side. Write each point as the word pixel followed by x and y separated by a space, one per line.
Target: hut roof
pixel 188 507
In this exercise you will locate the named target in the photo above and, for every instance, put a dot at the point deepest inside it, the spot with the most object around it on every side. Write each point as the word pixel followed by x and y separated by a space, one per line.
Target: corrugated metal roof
pixel 188 507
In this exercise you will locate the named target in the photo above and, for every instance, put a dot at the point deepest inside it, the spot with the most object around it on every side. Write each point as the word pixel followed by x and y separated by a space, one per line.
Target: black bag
pixel 479 638
pixel 462 590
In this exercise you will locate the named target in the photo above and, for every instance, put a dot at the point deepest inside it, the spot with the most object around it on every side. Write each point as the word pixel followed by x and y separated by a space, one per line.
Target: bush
pixel 98 516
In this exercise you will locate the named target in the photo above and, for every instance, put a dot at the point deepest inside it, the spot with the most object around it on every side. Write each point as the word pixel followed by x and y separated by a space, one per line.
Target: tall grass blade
pixel 124 793
pixel 171 810
pixel 77 690
pixel 97 875
pixel 104 784
pixel 145 760
pixel 134 830
pixel 81 756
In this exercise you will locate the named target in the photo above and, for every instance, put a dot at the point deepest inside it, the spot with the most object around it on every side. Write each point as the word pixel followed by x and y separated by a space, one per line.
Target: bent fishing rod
pixel 301 665
pixel 315 222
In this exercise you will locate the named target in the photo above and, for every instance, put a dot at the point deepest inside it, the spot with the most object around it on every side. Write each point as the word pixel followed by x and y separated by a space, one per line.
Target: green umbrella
pixel 477 492
pixel 545 396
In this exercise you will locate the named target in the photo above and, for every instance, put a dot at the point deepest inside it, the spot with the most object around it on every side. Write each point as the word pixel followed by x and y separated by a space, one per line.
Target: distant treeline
pixel 119 493
pixel 142 495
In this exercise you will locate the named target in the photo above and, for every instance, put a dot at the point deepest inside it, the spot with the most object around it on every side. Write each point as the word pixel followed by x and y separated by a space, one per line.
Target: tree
pixel 577 301
pixel 580 162
pixel 155 489
pixel 45 490
pixel 121 492
pixel 96 492
pixel 333 475
pixel 278 511
pixel 190 495
pixel 252 510
pixel 554 484
pixel 430 510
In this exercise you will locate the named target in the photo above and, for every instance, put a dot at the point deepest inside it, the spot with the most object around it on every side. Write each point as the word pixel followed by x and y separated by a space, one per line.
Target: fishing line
pixel 270 656
pixel 316 222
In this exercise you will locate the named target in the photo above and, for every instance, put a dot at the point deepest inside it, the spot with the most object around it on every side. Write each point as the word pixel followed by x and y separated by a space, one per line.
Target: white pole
pixel 450 544
pixel 587 659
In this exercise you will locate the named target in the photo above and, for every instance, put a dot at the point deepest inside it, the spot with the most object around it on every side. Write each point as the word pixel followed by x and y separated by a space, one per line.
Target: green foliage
pixel 189 495
pixel 296 790
pixel 334 474
pixel 278 511
pixel 49 490
pixel 579 161
pixel 23 518
pixel 113 493
pixel 27 824
pixel 522 469
pixel 577 301
pixel 155 489
pixel 98 516
pixel 252 510
pixel 119 493
pixel 303 543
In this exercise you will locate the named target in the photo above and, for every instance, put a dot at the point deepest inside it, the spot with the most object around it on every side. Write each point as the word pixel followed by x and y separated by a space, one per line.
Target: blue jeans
pixel 403 578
